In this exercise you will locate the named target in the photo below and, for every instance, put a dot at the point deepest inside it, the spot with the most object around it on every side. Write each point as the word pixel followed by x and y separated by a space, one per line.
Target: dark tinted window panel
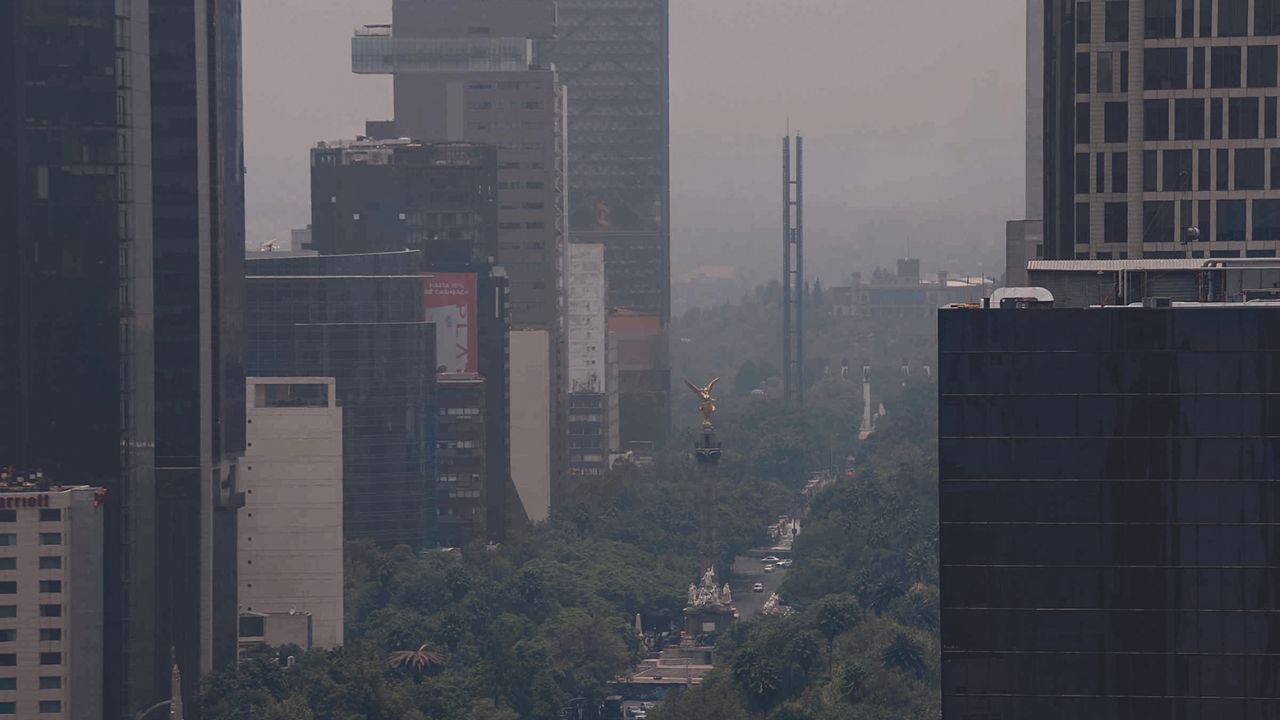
pixel 1242 118
pixel 1150 172
pixel 1082 173
pixel 1266 219
pixel 1262 66
pixel 1215 118
pixel 1116 26
pixel 1155 120
pixel 1106 72
pixel 1188 119
pixel 1202 219
pixel 1082 72
pixel 1275 168
pixel 1230 220
pixel 1206 19
pixel 1222 172
pixel 1177 170
pixel 1233 18
pixel 1082 21
pixel 1197 68
pixel 1157 221
pixel 1188 19
pixel 1100 172
pixel 1204 170
pixel 1115 222
pixel 1082 124
pixel 1161 18
pixel 1249 169
pixel 1165 68
pixel 1124 71
pixel 1116 122
pixel 1225 67
pixel 1266 17
pixel 1120 172
pixel 1082 223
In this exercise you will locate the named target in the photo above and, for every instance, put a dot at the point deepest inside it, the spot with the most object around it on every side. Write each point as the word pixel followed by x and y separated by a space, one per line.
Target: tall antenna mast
pixel 793 272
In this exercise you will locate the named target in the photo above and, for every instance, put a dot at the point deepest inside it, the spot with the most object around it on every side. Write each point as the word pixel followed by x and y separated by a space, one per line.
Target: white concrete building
pixel 530 432
pixel 587 315
pixel 51 653
pixel 290 530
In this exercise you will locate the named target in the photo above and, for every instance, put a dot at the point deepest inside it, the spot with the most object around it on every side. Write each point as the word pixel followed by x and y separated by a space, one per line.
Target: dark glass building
pixel 1110 514
pixel 383 196
pixel 120 306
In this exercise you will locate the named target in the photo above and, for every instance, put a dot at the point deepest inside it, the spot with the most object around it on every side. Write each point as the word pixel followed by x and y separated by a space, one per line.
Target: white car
pixel 758 587
pixel 785 563
pixel 770 559
pixel 768 568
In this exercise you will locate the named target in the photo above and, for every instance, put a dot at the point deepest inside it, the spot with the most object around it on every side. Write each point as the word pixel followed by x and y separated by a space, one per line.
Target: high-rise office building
pixel 1160 117
pixel 120 140
pixel 1109 512
pixel 613 57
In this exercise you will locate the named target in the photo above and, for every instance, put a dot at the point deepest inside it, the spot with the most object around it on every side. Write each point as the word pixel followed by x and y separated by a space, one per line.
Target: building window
pixel 1124 71
pixel 8 659
pixel 1266 17
pixel 1082 124
pixel 50 634
pixel 1215 118
pixel 50 538
pixel 1083 17
pixel 1116 125
pixel 8 587
pixel 1197 68
pixel 1177 170
pixel 1249 170
pixel 8 515
pixel 51 562
pixel 50 658
pixel 1269 117
pixel 8 611
pixel 8 683
pixel 1116 26
pixel 1165 68
pixel 1115 222
pixel 1157 221
pixel 50 682
pixel 51 610
pixel 1105 72
pixel 1231 220
pixel 1150 171
pixel 1082 173
pixel 1082 72
pixel 8 708
pixel 1242 118
pixel 1266 219
pixel 1161 18
pixel 1233 18
pixel 1222 171
pixel 1099 174
pixel 1206 19
pixel 1262 66
pixel 1120 172
pixel 1082 223
pixel 1204 171
pixel 1225 70
pixel 1202 218
pixel 8 539
pixel 1188 19
pixel 1188 119
pixel 50 706
pixel 8 635
pixel 1275 168
pixel 8 563
pixel 50 586
pixel 1155 120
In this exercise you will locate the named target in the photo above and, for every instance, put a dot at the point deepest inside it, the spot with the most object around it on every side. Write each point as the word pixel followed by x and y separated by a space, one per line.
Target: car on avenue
pixel 758 587
pixel 770 559
pixel 785 563
pixel 768 568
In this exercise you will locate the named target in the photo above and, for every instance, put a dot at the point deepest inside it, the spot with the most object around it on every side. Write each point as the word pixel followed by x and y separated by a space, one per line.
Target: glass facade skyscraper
pixel 1110 514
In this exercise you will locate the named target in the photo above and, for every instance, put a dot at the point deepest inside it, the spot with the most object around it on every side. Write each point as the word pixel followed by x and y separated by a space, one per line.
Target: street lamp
pixel 142 715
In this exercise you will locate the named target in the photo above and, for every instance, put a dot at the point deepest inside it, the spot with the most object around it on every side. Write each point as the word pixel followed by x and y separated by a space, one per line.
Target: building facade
pixel 1109 512
pixel 121 305
pixel 531 435
pixel 51 600
pixel 1160 129
pixel 390 195
pixel 291 540
pixel 461 475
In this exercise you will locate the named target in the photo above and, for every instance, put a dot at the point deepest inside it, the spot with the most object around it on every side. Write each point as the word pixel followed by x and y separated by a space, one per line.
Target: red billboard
pixel 450 300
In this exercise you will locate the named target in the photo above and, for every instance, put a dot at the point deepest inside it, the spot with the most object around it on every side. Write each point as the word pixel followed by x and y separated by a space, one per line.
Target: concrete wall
pixel 530 432
pixel 290 543
pixel 588 370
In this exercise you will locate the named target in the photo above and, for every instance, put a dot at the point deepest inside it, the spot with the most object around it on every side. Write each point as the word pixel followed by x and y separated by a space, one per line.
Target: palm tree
pixel 903 654
pixel 422 660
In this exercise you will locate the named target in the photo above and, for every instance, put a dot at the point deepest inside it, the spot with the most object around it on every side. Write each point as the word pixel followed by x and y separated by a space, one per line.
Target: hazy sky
pixel 912 112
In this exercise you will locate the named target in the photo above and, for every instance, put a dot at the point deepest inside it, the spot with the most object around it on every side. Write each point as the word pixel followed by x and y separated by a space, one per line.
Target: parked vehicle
pixel 785 563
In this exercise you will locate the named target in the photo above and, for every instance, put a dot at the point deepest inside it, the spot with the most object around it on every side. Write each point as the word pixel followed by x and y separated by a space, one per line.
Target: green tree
pixel 853 683
pixel 905 655
pixel 423 660
pixel 836 614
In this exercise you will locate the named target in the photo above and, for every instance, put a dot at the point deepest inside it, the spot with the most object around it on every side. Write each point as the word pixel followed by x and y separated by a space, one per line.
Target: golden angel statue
pixel 708 406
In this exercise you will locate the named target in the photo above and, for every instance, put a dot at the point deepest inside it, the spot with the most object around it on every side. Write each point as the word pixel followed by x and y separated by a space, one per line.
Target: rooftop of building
pixel 19 481
pixel 1151 264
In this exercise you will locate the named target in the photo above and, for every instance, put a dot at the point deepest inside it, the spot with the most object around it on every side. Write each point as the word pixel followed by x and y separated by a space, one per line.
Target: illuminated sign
pixel 8 502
